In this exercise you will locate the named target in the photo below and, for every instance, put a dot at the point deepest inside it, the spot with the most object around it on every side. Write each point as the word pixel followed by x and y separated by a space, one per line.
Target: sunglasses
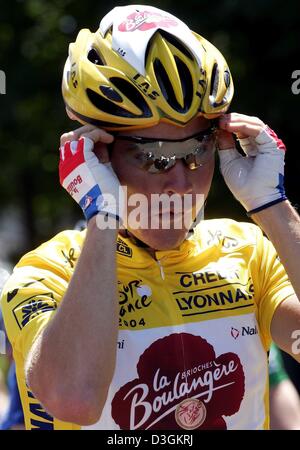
pixel 160 155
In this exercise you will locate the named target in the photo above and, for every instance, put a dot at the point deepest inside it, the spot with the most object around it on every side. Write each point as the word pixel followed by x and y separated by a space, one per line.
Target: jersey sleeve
pixel 272 284
pixel 32 294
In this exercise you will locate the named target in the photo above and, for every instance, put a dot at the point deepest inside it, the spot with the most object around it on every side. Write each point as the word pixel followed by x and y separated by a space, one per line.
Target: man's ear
pixel 73 116
pixel 70 114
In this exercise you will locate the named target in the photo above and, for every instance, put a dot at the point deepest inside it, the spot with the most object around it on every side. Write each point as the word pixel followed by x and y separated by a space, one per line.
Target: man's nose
pixel 178 180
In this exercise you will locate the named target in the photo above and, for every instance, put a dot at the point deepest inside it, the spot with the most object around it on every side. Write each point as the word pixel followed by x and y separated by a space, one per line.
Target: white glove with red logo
pixel 93 185
pixel 256 180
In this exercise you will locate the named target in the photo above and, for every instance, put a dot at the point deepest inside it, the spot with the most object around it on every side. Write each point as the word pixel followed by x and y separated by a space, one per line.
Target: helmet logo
pixel 146 20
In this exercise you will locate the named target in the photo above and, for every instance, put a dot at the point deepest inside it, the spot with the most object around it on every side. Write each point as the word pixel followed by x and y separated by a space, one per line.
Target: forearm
pixel 281 224
pixel 284 406
pixel 72 362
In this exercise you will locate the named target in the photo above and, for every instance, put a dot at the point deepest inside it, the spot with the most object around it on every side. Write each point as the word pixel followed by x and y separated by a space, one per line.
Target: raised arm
pixel 282 225
pixel 71 364
pixel 257 181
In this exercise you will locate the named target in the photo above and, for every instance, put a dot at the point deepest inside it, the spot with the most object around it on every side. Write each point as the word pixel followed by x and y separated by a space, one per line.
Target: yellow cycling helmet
pixel 143 66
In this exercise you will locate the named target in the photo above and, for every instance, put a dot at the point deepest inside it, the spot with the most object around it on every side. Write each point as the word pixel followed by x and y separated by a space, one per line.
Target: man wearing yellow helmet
pixel 146 69
pixel 184 343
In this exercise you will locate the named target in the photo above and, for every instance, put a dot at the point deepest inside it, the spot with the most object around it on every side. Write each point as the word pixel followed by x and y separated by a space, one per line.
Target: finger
pixel 90 131
pixel 249 146
pixel 99 135
pixel 62 153
pixel 65 151
pixel 237 117
pixel 74 135
pixel 225 140
pixel 242 129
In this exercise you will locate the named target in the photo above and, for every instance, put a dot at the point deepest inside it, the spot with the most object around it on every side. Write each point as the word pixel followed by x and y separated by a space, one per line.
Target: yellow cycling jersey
pixel 194 327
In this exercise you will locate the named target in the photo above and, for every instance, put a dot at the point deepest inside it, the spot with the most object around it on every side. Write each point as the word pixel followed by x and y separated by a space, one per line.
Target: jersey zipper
pixel 162 273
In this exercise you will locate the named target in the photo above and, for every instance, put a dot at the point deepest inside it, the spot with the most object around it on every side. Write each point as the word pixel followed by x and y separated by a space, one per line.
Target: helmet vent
pixel 95 58
pixel 109 107
pixel 186 82
pixel 166 85
pixel 111 93
pixel 133 94
pixel 176 43
pixel 105 105
pixel 227 78
pixel 214 81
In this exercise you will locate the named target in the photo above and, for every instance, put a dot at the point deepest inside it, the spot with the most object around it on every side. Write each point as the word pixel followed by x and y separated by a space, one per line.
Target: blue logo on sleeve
pixel 280 185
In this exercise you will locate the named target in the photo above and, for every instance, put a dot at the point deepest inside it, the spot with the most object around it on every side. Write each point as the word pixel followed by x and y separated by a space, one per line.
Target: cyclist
pixel 184 345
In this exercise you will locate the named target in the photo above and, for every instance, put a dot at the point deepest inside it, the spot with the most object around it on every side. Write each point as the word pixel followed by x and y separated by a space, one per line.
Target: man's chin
pixel 161 239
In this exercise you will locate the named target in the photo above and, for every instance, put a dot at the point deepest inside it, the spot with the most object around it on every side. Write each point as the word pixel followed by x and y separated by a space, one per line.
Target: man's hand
pixel 97 135
pixel 86 173
pixel 256 179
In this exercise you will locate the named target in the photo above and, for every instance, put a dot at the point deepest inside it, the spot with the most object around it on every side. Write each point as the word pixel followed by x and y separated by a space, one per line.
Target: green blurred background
pixel 260 40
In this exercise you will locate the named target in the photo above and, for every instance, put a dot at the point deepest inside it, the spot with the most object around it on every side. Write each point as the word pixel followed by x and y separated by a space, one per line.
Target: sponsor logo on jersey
pixel 181 384
pixel 234 333
pixel 229 242
pixel 217 237
pixel 11 294
pixel 244 331
pixel 31 307
pixel 87 202
pixel 134 297
pixel 190 414
pixel 70 257
pixel 120 344
pixel 205 277
pixel 213 289
pixel 145 20
pixel 202 301
pixel 39 418
pixel 123 248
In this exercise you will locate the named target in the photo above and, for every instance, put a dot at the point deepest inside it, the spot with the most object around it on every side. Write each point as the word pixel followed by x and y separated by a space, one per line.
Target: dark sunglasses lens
pixel 194 151
pixel 161 165
pixel 202 154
